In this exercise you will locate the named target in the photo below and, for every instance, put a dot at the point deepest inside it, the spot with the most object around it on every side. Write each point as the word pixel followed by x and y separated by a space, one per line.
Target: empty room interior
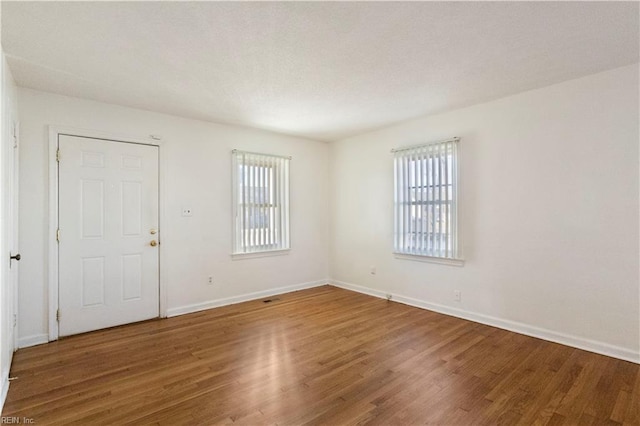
pixel 325 213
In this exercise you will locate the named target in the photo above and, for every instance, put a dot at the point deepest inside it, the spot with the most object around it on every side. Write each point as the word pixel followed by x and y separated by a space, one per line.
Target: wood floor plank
pixel 323 356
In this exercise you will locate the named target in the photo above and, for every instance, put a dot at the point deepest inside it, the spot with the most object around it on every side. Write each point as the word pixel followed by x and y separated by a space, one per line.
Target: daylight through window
pixel 426 193
pixel 261 202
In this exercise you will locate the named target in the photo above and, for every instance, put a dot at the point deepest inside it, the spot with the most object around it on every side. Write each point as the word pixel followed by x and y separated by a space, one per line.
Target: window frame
pixel 269 174
pixel 415 173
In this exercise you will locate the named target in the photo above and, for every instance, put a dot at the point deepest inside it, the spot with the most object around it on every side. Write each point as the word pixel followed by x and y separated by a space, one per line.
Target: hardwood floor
pixel 318 356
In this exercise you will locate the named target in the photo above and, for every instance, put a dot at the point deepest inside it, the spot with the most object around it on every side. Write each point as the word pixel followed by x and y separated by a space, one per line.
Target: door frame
pixel 53 255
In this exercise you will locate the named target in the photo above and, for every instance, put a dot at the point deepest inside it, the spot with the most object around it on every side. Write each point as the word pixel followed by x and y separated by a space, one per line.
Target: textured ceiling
pixel 320 70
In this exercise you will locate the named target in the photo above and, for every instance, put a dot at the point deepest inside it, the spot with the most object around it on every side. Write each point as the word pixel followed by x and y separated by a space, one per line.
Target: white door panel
pixel 108 202
pixel 12 289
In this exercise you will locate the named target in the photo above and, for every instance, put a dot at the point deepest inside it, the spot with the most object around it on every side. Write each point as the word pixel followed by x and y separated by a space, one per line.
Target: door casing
pixel 52 261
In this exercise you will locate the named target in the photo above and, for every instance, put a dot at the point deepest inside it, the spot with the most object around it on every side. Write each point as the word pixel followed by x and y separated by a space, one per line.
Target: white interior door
pixel 108 233
pixel 13 235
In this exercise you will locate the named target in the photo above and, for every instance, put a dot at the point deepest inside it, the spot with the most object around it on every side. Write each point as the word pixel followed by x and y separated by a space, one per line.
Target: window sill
pixel 256 254
pixel 429 259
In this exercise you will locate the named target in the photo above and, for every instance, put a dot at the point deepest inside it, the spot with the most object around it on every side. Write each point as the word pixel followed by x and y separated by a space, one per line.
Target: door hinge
pixel 58 315
pixel 58 235
pixel 15 319
pixel 58 155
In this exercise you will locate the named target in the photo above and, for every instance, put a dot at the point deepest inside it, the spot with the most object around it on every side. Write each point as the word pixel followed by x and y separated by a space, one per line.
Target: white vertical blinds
pixel 426 200
pixel 261 202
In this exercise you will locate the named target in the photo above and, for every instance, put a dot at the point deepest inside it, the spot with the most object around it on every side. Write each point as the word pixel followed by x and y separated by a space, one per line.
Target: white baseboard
pixel 181 310
pixel 517 327
pixel 36 339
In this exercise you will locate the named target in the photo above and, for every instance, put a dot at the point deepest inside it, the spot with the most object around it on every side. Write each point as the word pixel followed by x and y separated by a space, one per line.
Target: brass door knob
pixel 153 243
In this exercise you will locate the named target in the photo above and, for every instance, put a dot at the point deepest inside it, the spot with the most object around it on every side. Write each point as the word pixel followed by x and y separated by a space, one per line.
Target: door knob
pixel 16 257
pixel 153 243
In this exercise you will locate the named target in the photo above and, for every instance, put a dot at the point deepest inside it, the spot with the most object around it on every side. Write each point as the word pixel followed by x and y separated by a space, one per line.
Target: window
pixel 261 202
pixel 426 193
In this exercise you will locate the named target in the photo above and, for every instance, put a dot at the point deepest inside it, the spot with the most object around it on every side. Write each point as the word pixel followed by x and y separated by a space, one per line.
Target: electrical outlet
pixel 210 281
pixel 457 295
pixel 187 212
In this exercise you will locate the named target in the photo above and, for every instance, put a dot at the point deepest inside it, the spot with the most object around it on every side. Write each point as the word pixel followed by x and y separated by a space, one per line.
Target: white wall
pixel 549 213
pixel 197 175
pixel 9 116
